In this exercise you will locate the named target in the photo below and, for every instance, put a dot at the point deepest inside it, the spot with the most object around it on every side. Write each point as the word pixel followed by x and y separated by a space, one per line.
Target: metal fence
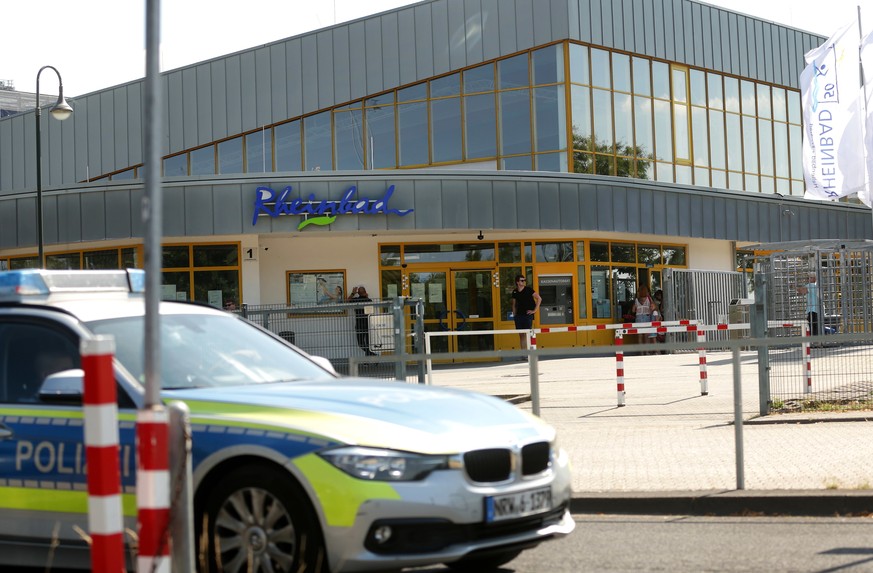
pixel 704 296
pixel 841 371
pixel 365 331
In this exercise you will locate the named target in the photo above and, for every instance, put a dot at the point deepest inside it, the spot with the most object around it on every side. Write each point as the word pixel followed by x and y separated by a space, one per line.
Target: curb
pixel 727 503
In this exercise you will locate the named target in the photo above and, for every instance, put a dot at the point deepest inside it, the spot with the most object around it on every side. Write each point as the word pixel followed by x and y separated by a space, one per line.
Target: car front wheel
pixel 258 520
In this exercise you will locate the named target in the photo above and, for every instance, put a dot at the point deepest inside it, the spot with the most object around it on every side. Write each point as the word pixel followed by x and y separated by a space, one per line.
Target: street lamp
pixel 60 111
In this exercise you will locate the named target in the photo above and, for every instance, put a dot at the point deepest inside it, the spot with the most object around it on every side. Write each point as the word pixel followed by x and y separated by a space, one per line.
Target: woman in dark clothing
pixel 362 326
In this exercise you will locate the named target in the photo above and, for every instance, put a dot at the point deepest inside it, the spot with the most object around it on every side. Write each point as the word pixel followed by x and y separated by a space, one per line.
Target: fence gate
pixel 701 295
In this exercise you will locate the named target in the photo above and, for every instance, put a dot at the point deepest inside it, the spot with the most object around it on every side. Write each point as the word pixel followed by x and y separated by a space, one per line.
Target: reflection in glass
pixel 174 256
pixel 580 250
pixel 583 292
pixel 747 91
pixel 203 161
pixel 216 255
pixel 680 118
pixel 64 262
pixel 412 127
pixel 793 107
pixel 683 174
pixel 642 81
pixel 751 183
pixel 624 133
pixel 446 86
pixel 765 143
pixel 623 252
pixel 674 255
pixel 479 79
pixel 779 101
pixel 548 65
pixel 715 96
pixel 794 136
pixel 648 254
pixel 316 135
pixel 697 80
pixel 599 252
pixel 509 252
pixel 481 126
pixel 719 179
pixel 580 98
pixel 176 165
pixel 734 143
pixel 643 126
pixel 579 64
pixel 416 92
pixel 554 162
pixel 512 72
pixel 446 129
pixel 603 121
pixel 731 94
pixel 699 136
pixel 663 131
pixel 550 122
pixel 349 139
pixel 515 122
pixel 600 68
pixel 716 139
pixel 380 100
pixel 604 165
pixel 380 137
pixel 259 152
pixel 554 252
pixel 288 148
pixel 124 175
pixel 583 162
pixel 661 80
pixel 389 256
pixel 517 163
pixel 230 156
pixel 601 305
pixel 750 145
pixel 763 100
pixel 621 73
pixel 735 181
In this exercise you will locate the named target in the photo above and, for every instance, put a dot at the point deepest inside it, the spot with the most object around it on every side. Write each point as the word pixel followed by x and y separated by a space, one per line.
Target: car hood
pixel 393 415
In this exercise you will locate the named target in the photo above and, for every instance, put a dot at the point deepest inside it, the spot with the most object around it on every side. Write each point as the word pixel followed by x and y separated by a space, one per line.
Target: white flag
pixel 867 62
pixel 833 145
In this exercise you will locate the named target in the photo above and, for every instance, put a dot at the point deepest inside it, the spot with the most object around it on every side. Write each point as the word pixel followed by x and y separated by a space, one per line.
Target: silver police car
pixel 295 469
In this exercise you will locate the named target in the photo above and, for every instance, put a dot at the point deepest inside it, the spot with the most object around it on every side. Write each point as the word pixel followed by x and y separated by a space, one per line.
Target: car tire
pixel 485 563
pixel 257 519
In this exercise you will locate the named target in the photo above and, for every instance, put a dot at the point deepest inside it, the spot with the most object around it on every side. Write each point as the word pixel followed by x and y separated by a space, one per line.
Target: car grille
pixel 496 465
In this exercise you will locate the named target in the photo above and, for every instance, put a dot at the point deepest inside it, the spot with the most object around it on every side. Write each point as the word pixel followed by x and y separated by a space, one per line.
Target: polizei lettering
pixel 321 212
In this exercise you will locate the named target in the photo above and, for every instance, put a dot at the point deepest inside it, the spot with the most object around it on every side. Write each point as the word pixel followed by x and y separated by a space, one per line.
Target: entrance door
pixel 456 300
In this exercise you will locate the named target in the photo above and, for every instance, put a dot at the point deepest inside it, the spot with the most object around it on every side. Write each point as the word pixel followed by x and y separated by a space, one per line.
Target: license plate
pixel 521 504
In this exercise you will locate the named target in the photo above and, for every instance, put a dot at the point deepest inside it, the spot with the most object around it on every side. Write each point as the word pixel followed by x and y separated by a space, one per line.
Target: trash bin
pixel 288 335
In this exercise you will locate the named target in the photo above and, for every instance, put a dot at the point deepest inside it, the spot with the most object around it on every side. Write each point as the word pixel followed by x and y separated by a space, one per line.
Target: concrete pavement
pixel 670 449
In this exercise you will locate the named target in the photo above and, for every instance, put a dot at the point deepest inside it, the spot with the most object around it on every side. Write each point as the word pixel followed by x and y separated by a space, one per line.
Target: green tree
pixel 592 156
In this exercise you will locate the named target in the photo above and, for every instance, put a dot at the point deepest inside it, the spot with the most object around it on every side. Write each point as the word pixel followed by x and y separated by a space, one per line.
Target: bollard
pixel 153 489
pixel 532 338
pixel 701 356
pixel 105 521
pixel 807 356
pixel 619 366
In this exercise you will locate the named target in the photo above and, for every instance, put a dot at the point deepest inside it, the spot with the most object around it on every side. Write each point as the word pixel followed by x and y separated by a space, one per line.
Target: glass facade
pixel 565 107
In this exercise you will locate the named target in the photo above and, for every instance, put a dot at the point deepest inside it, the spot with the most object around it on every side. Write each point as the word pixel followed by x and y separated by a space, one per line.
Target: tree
pixel 592 156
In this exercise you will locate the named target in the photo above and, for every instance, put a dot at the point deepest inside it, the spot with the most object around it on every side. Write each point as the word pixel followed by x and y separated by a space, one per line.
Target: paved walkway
pixel 669 438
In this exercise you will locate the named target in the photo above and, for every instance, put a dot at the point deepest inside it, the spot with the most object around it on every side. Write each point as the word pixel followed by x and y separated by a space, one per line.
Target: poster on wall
pixel 316 287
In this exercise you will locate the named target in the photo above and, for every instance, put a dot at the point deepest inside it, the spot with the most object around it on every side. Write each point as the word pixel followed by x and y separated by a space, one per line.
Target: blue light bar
pixel 35 282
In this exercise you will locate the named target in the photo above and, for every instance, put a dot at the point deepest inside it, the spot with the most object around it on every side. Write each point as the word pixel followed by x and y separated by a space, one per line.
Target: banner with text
pixel 867 63
pixel 833 143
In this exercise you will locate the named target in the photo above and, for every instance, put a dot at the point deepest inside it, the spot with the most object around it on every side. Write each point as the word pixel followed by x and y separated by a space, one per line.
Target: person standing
pixel 810 289
pixel 525 304
pixel 362 325
pixel 643 309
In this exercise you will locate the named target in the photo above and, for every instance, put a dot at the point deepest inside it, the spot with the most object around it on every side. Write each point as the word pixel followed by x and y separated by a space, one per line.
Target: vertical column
pixel 153 489
pixel 105 521
pixel 701 356
pixel 619 366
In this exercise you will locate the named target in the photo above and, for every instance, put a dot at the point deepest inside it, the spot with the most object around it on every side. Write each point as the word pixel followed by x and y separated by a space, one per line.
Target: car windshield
pixel 207 350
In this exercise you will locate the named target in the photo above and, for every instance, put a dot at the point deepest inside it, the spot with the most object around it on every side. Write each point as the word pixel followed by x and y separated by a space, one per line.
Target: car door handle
pixel 5 432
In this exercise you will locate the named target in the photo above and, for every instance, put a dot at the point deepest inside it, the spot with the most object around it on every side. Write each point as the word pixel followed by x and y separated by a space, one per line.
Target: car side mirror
pixel 64 387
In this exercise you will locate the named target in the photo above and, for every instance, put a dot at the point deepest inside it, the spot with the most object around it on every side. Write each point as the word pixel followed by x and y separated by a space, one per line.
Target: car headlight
pixel 383 465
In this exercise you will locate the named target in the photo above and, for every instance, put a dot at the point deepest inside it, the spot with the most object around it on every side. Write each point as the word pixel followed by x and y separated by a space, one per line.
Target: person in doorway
pixel 810 290
pixel 659 308
pixel 643 310
pixel 525 304
pixel 362 325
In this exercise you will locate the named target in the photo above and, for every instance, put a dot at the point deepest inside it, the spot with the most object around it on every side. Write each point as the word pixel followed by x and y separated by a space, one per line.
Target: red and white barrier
pixel 619 367
pixel 805 347
pixel 105 519
pixel 153 489
pixel 701 358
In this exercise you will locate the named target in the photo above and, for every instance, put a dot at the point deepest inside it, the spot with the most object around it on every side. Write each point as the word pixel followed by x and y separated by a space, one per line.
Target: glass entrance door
pixel 456 300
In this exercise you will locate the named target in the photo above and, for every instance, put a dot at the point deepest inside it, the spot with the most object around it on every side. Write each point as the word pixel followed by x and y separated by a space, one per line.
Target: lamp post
pixel 60 111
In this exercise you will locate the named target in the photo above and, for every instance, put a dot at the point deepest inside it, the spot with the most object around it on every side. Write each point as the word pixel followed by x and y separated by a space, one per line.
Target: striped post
pixel 153 489
pixel 533 339
pixel 105 521
pixel 701 357
pixel 807 357
pixel 619 366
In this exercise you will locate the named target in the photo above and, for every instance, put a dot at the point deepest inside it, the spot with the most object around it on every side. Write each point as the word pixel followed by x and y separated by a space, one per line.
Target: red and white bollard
pixel 619 367
pixel 807 357
pixel 701 357
pixel 105 519
pixel 153 489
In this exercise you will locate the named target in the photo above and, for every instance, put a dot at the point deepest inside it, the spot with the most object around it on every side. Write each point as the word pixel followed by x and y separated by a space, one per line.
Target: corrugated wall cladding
pixel 441 201
pixel 239 92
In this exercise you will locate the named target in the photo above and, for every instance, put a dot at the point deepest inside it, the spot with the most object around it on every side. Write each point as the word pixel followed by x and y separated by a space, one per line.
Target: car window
pixel 204 350
pixel 28 353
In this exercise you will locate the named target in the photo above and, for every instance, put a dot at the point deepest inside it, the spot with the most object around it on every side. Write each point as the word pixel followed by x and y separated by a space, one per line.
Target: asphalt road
pixel 681 544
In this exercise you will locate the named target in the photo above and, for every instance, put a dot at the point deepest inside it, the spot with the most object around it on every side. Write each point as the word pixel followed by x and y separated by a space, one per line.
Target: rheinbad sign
pixel 321 211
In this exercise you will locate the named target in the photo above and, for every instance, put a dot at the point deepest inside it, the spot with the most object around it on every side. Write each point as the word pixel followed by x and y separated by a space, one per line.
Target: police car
pixel 295 469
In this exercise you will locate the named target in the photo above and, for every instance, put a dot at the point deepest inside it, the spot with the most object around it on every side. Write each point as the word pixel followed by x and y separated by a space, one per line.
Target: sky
pixel 96 44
